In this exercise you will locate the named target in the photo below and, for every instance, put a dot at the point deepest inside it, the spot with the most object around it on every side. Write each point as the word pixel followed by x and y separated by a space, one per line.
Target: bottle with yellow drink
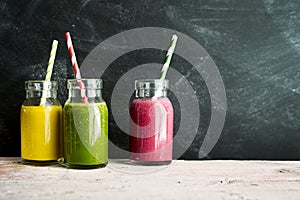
pixel 41 116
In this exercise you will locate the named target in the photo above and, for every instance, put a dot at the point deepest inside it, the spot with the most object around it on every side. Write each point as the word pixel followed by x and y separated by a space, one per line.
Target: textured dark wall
pixel 255 44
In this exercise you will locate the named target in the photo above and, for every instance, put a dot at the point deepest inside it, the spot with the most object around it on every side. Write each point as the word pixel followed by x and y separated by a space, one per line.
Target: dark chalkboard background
pixel 255 44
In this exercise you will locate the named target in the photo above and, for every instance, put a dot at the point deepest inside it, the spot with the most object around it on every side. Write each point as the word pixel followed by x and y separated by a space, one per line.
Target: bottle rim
pixel 151 84
pixel 85 84
pixel 38 85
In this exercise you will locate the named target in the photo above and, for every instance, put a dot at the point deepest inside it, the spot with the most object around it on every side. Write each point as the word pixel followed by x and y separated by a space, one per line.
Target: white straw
pixel 166 65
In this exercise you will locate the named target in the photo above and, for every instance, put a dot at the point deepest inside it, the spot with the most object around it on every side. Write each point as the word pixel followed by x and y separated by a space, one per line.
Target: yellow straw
pixel 49 70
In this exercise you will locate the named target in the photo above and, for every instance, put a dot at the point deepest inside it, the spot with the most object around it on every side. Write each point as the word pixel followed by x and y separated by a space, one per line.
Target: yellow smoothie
pixel 41 133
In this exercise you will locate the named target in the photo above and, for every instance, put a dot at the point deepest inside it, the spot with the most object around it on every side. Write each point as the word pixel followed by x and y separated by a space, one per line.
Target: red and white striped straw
pixel 75 65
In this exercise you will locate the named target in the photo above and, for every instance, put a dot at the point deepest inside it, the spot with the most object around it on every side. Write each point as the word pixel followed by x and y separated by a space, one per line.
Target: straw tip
pixel 67 33
pixel 174 37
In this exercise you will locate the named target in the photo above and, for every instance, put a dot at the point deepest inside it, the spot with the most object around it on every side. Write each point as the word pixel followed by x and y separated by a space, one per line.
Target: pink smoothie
pixel 151 129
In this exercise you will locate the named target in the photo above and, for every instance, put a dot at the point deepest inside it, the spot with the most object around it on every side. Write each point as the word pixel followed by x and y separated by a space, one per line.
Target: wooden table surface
pixel 220 179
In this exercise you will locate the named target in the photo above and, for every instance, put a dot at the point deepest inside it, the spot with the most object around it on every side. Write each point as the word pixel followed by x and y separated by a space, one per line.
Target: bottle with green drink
pixel 85 118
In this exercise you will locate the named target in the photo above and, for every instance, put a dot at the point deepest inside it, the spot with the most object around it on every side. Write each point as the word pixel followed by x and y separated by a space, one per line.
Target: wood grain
pixel 181 180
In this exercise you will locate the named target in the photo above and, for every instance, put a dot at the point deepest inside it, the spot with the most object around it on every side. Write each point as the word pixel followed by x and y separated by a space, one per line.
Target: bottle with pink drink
pixel 151 123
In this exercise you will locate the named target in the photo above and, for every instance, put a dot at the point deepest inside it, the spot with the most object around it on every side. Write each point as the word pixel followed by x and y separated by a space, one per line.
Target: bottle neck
pixel 148 88
pixel 76 95
pixel 41 88
pixel 148 93
pixel 39 94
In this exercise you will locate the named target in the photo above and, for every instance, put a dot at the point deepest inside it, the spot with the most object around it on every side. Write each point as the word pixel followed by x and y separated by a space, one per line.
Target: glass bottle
pixel 85 117
pixel 151 123
pixel 41 115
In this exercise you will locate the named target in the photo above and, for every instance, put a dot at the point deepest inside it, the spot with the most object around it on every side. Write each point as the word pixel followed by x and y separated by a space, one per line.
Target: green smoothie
pixel 85 135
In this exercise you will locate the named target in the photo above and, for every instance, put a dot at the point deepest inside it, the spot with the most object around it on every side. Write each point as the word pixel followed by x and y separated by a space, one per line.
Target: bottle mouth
pixel 94 84
pixel 37 85
pixel 145 84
